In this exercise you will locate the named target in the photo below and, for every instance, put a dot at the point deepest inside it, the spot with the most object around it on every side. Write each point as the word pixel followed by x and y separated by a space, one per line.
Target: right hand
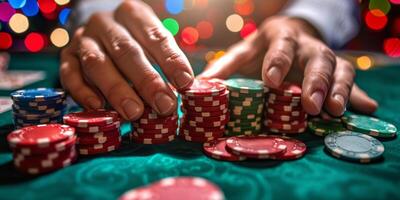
pixel 113 50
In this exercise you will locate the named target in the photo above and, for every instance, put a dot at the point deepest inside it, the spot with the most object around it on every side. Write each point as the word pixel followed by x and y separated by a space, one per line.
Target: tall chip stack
pixel 98 131
pixel 38 106
pixel 152 128
pixel 284 113
pixel 42 148
pixel 205 111
pixel 246 104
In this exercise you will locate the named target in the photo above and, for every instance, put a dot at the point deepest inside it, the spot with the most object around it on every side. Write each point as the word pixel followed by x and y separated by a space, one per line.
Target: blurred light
pixel 5 40
pixel 6 11
pixel 376 19
pixel 234 23
pixel 59 37
pixel 174 6
pixel 219 54
pixel 396 26
pixel 201 3
pixel 382 5
pixel 31 8
pixel 17 3
pixel 34 42
pixel 364 62
pixel 391 46
pixel 209 56
pixel 47 6
pixel 395 1
pixel 62 2
pixel 247 29
pixel 205 29
pixel 19 23
pixel 63 16
pixel 190 35
pixel 171 25
pixel 244 7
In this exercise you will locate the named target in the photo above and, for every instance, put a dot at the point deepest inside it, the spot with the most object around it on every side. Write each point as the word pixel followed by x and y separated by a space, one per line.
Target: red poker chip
pixel 150 114
pixel 215 134
pixel 41 159
pixel 281 103
pixel 286 126
pixel 142 136
pixel 43 135
pixel 286 118
pixel 208 119
pixel 256 146
pixel 205 124
pixel 271 111
pixel 222 97
pixel 204 114
pixel 287 89
pixel 204 88
pixel 96 129
pixel 91 118
pixel 222 101
pixel 196 139
pixel 170 124
pixel 98 139
pixel 156 131
pixel 295 149
pixel 205 109
pixel 284 108
pixel 217 149
pixel 177 188
pixel 35 150
pixel 142 140
pixel 170 119
pixel 186 126
pixel 99 148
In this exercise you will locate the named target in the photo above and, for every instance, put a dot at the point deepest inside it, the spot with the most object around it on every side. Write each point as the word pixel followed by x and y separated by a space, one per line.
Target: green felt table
pixel 315 176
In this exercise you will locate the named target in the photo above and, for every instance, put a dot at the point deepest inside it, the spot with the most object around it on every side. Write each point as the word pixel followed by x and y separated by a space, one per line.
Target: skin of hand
pixel 285 48
pixel 108 60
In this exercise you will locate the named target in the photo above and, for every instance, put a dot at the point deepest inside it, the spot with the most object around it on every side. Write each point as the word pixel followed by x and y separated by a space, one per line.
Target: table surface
pixel 315 176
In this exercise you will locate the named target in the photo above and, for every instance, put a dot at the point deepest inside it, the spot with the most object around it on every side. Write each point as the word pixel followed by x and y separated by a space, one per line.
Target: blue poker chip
pixel 31 116
pixel 354 146
pixel 38 110
pixel 38 94
pixel 43 120
pixel 37 104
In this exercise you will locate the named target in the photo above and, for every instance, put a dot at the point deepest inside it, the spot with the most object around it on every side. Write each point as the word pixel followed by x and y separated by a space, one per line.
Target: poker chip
pixel 38 94
pixel 322 127
pixel 285 126
pixel 200 99
pixel 38 150
pixel 99 138
pixel 178 188
pixel 217 149
pixel 41 160
pixel 152 136
pixel 286 118
pixel 287 89
pixel 245 86
pixel 96 129
pixel 204 88
pixel 354 146
pixel 220 102
pixel 294 149
pixel 152 140
pixel 256 146
pixel 369 125
pixel 91 118
pixel 284 108
pixel 214 134
pixel 286 132
pixel 99 148
pixel 200 139
pixel 288 113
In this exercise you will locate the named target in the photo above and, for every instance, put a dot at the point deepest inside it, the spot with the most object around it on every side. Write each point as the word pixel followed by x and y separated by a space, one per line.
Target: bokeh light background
pixel 39 25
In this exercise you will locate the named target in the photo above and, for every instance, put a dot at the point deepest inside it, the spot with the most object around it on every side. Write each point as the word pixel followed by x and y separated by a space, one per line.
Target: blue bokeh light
pixel 63 16
pixel 174 6
pixel 16 4
pixel 30 8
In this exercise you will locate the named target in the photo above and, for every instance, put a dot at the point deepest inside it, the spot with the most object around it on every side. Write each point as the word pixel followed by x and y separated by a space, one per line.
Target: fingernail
pixel 131 108
pixel 318 99
pixel 340 99
pixel 164 103
pixel 274 75
pixel 183 79
pixel 93 103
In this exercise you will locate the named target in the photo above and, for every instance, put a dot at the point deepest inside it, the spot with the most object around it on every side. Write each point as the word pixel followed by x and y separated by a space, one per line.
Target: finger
pixel 132 62
pixel 339 93
pixel 101 71
pixel 279 58
pixel 361 102
pixel 318 75
pixel 144 25
pixel 72 79
pixel 240 54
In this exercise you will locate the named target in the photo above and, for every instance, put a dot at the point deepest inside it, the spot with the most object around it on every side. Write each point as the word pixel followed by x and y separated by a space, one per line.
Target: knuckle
pixel 134 7
pixel 91 60
pixel 114 91
pixel 95 17
pixel 124 47
pixel 148 81
pixel 158 35
pixel 280 58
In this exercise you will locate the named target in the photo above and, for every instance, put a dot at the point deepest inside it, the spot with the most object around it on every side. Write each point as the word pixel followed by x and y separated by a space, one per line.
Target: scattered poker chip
pixel 91 118
pixel 205 88
pixel 245 86
pixel 38 150
pixel 40 135
pixel 99 148
pixel 257 146
pixel 178 188
pixel 287 89
pixel 369 125
pixel 38 94
pixel 294 149
pixel 322 127
pixel 354 146
pixel 217 149
pixel 153 140
pixel 95 129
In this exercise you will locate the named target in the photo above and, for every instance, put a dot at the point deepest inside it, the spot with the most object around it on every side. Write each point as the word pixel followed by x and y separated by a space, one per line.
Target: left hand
pixel 285 46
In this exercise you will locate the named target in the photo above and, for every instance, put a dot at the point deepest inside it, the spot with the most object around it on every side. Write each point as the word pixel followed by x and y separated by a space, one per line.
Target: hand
pixel 283 47
pixel 113 50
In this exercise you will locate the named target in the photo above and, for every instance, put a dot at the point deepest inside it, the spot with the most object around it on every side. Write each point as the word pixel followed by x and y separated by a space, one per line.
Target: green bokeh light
pixel 172 25
pixel 382 5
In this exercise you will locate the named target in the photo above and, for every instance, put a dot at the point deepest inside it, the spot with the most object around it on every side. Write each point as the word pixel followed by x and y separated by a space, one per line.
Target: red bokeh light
pixel 244 8
pixel 34 42
pixel 205 29
pixel 395 1
pixel 396 27
pixel 5 40
pixel 376 19
pixel 391 46
pixel 190 35
pixel 247 29
pixel 47 6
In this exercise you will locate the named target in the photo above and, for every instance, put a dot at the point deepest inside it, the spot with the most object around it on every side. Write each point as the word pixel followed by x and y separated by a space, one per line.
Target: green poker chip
pixel 246 98
pixel 246 103
pixel 322 127
pixel 369 125
pixel 354 146
pixel 245 86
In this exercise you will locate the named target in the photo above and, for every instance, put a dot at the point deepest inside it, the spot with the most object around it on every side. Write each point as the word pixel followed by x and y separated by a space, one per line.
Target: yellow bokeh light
pixel 209 56
pixel 234 23
pixel 364 62
pixel 19 23
pixel 59 37
pixel 62 2
pixel 219 54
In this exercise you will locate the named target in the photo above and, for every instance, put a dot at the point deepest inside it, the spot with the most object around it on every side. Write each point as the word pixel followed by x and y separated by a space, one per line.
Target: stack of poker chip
pixel 43 148
pixel 246 104
pixel 98 131
pixel 152 128
pixel 284 113
pixel 38 106
pixel 205 111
